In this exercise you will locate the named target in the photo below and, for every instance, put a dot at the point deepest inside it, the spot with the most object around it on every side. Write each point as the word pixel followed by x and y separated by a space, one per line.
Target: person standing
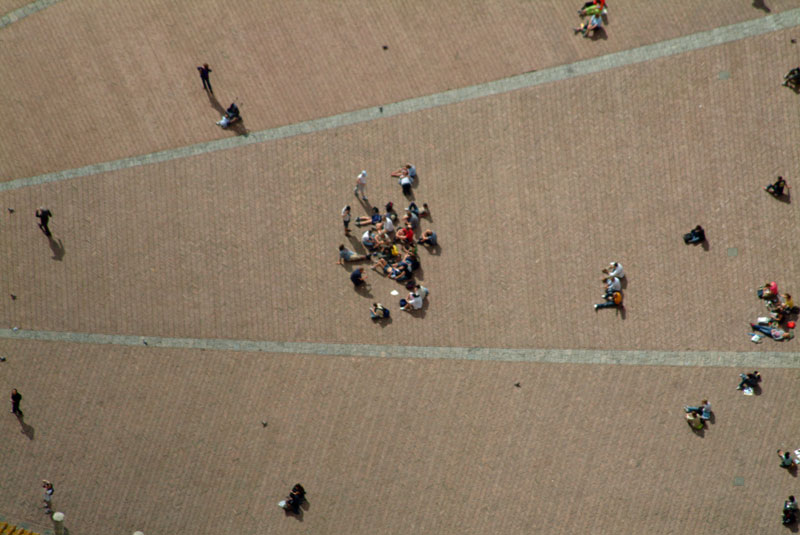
pixel 204 70
pixel 16 398
pixel 346 219
pixel 361 185
pixel 48 496
pixel 44 216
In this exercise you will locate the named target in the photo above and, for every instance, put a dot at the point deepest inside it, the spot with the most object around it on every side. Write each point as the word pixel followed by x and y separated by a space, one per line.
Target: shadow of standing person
pixel 26 430
pixel 57 247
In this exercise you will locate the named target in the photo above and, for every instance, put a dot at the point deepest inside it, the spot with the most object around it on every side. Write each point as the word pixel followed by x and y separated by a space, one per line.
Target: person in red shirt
pixel 406 234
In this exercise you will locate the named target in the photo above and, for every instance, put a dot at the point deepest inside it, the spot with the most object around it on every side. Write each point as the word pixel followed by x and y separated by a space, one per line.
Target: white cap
pixel 363 174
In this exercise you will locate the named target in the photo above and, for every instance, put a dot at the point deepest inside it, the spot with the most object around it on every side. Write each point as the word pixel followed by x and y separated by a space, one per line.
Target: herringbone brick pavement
pixel 114 79
pixel 532 193
pixel 171 441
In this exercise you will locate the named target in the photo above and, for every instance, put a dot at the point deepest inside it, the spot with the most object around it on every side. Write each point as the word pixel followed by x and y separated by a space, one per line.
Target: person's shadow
pixel 759 4
pixel 699 432
pixel 57 247
pixel 599 33
pixel 27 430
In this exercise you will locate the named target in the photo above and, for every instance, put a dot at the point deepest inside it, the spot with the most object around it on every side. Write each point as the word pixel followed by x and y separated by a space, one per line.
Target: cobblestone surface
pixel 532 192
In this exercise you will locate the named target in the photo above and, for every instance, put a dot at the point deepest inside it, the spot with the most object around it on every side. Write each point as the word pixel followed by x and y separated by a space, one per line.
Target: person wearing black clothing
pixel 357 277
pixel 44 216
pixel 792 78
pixel 231 115
pixel 789 511
pixel 697 235
pixel 777 188
pixel 204 70
pixel 16 397
pixel 750 380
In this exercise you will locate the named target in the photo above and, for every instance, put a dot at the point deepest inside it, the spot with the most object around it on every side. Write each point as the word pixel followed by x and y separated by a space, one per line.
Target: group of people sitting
pixel 612 281
pixel 294 500
pixel 231 115
pixel 594 9
pixel 697 416
pixel 392 243
pixel 792 78
pixel 778 325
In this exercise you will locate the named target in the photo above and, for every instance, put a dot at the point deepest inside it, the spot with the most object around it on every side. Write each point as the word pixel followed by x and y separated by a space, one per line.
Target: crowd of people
pixel 779 323
pixel 392 242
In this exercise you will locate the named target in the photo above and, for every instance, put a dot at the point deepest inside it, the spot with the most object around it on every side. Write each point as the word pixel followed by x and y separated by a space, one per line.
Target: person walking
pixel 44 216
pixel 16 398
pixel 361 185
pixel 48 496
pixel 204 70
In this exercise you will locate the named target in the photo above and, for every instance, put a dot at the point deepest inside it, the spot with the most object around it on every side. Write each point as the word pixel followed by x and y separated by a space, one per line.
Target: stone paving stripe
pixel 24 11
pixel 680 45
pixel 756 360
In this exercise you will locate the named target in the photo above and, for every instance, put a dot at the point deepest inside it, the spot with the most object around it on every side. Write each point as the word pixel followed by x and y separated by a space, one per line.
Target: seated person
pixel 790 511
pixel 411 219
pixel 792 77
pixel 422 291
pixel 400 272
pixel 615 270
pixel 374 219
pixel 696 235
pixel 773 331
pixel 694 420
pixel 231 115
pixel 769 291
pixel 613 300
pixel 358 277
pixel 298 492
pixel 368 240
pixel 407 170
pixel 428 238
pixel 406 235
pixel 786 459
pixel 749 380
pixel 414 209
pixel 592 7
pixel 378 311
pixel 613 284
pixel 777 187
pixel 346 255
pixel 594 23
pixel 704 409
pixel 388 224
pixel 413 302
pixel 406 182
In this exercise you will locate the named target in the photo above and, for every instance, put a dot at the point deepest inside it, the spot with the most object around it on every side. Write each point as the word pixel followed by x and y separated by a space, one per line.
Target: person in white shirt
pixel 361 185
pixel 613 284
pixel 615 270
pixel 388 224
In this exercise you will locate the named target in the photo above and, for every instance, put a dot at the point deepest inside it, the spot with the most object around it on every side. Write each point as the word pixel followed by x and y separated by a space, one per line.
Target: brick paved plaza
pixel 190 291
